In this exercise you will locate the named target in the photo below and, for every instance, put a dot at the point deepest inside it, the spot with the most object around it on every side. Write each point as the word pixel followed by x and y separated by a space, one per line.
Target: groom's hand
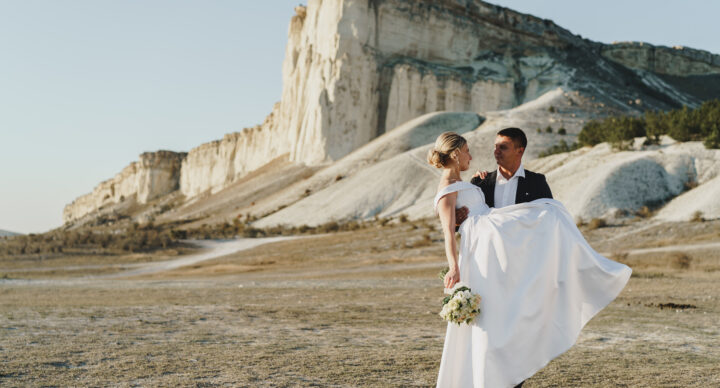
pixel 460 216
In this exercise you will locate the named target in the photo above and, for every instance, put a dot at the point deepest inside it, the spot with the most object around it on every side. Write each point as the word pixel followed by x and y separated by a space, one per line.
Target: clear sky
pixel 88 85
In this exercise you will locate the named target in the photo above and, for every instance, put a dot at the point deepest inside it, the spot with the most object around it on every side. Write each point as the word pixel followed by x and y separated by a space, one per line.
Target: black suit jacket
pixel 533 186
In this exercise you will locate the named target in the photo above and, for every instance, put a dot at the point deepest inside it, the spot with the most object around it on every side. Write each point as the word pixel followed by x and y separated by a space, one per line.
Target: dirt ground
pixel 345 310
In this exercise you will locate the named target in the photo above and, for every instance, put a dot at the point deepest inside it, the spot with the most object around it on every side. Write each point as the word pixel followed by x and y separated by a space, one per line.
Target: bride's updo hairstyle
pixel 445 147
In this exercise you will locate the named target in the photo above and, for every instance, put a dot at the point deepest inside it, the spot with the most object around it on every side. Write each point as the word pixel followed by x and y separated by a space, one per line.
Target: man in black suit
pixel 510 183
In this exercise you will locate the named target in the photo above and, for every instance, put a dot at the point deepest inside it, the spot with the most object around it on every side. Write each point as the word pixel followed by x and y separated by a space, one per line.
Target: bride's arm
pixel 446 211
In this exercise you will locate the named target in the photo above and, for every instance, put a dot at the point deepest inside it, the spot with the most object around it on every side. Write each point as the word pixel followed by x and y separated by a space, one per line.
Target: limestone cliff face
pixel 675 61
pixel 355 69
pixel 154 175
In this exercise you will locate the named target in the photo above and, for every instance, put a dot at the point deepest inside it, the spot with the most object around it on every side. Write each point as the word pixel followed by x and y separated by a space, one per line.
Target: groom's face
pixel 507 154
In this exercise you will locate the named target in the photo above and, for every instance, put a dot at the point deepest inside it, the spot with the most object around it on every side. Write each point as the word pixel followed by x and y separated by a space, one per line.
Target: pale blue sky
pixel 88 85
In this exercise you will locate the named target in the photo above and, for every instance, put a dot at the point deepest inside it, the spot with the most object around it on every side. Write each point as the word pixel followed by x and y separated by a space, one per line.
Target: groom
pixel 510 183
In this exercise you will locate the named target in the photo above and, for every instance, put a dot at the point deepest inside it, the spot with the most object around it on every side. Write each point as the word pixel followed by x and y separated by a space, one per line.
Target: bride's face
pixel 464 157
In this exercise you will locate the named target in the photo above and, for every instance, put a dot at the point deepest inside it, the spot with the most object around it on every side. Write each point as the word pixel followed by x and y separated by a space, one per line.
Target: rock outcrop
pixel 154 175
pixel 676 61
pixel 597 182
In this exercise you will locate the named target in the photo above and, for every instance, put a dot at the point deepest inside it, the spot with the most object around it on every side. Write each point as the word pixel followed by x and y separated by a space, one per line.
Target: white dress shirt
pixel 506 189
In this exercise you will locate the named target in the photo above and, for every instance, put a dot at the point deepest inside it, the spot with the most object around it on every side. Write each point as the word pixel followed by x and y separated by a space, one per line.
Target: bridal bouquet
pixel 461 305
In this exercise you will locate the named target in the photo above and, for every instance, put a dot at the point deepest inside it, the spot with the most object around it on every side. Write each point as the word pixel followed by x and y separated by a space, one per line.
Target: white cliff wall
pixel 154 175
pixel 676 61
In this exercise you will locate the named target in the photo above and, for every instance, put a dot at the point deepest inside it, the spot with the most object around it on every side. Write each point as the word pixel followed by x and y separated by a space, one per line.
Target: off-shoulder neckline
pixel 449 189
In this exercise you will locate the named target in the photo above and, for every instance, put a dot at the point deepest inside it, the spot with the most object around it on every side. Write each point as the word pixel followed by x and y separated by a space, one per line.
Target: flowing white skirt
pixel 540 284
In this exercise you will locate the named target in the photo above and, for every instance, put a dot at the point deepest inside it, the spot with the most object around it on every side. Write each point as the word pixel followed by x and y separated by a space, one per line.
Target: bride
pixel 539 280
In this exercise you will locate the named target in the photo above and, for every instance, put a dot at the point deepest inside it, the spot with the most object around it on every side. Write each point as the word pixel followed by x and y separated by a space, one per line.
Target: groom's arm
pixel 460 216
pixel 544 188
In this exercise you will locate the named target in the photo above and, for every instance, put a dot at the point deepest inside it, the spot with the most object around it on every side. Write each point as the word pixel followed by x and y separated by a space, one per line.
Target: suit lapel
pixel 521 195
pixel 491 178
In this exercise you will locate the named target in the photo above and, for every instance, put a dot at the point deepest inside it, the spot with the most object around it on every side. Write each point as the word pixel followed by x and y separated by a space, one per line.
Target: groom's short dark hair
pixel 516 134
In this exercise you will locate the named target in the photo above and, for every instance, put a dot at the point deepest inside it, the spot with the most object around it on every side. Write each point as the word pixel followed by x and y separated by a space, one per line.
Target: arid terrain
pixel 345 309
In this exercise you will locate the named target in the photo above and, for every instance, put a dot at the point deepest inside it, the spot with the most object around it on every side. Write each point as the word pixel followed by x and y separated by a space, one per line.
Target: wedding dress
pixel 540 283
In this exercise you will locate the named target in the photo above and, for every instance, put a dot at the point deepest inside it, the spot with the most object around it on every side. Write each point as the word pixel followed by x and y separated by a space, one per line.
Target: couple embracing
pixel 520 250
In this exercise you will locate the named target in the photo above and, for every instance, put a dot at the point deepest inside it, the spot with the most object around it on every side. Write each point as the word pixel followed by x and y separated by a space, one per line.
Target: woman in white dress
pixel 539 279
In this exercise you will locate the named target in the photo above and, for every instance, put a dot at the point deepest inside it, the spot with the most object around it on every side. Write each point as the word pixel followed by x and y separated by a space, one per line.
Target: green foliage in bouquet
pixel 447 298
pixel 443 272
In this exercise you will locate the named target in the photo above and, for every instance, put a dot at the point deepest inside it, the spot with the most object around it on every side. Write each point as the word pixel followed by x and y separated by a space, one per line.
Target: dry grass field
pixel 344 310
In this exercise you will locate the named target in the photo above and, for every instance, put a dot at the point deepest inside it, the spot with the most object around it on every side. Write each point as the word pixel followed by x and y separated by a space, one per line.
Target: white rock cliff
pixel 354 70
pixel 154 175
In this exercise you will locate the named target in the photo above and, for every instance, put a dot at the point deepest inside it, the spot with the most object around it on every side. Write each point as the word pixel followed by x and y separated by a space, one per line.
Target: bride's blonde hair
pixel 446 146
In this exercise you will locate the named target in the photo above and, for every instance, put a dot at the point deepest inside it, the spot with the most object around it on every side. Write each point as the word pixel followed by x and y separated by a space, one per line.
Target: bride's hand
pixel 451 277
pixel 481 174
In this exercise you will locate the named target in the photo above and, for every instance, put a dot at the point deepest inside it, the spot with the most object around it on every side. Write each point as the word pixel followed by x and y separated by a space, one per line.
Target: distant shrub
pixel 425 241
pixel 680 261
pixel 697 217
pixel 539 130
pixel 403 218
pixel 551 109
pixel 331 226
pixel 579 222
pixel 562 131
pixel 620 257
pixel 644 212
pixel 596 223
pixel 549 129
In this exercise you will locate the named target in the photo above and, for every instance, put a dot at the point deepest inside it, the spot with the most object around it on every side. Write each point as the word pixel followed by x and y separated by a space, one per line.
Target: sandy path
pixel 213 249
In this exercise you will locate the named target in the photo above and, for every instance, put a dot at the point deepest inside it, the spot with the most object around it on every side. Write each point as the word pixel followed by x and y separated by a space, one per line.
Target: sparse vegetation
pixel 133 239
pixel 644 212
pixel 562 131
pixel 596 223
pixel 701 124
pixel 680 260
pixel 620 257
pixel 551 109
pixel 425 241
pixel 697 217
pixel 549 129
pixel 561 147
pixel 150 237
